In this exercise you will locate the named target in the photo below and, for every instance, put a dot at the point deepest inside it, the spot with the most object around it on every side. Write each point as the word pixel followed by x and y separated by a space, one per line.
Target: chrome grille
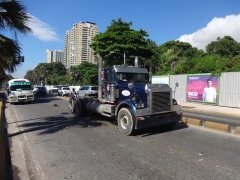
pixel 160 101
pixel 23 96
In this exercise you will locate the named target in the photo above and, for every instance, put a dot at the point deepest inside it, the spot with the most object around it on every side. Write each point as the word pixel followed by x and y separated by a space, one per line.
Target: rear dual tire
pixel 77 106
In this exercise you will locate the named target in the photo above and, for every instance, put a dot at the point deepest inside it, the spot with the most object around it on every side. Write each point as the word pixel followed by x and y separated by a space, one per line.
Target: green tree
pixel 225 46
pixel 74 74
pixel 120 38
pixel 53 70
pixel 153 63
pixel 31 76
pixel 47 72
pixel 14 18
pixel 89 73
pixel 39 72
pixel 177 57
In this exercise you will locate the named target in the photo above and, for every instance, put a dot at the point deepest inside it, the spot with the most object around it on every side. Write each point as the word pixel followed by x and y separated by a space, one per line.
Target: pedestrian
pixel 72 94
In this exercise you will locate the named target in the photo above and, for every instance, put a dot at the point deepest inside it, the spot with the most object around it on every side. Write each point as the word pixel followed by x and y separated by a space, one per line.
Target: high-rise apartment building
pixel 55 56
pixel 76 44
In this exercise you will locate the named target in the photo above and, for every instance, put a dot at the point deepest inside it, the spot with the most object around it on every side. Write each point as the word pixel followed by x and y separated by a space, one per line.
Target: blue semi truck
pixel 126 94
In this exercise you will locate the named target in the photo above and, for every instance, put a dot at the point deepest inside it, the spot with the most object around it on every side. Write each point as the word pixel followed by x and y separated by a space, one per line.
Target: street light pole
pixel 124 58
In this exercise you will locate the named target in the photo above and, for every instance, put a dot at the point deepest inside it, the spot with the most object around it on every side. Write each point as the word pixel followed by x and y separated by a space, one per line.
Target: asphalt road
pixel 58 145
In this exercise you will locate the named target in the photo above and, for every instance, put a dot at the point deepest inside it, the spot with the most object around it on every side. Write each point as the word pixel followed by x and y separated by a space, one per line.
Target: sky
pixel 195 21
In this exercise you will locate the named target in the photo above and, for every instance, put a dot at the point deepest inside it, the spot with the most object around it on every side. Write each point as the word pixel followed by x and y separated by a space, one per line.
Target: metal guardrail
pixel 2 143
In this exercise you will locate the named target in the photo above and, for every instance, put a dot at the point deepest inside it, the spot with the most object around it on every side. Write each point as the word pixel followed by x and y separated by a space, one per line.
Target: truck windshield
pixel 20 87
pixel 132 77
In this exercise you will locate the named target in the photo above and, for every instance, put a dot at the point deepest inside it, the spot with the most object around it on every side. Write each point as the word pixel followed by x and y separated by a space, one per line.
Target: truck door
pixel 109 79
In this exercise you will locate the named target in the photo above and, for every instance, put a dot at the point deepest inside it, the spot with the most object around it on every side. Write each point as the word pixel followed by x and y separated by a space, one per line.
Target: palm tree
pixel 74 73
pixel 14 18
pixel 39 72
pixel 30 76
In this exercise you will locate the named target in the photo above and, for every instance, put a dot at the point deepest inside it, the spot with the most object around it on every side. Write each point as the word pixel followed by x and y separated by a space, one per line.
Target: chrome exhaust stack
pixel 100 64
pixel 136 62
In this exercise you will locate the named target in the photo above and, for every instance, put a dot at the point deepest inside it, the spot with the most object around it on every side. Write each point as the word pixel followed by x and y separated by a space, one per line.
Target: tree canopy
pixel 56 73
pixel 225 46
pixel 121 38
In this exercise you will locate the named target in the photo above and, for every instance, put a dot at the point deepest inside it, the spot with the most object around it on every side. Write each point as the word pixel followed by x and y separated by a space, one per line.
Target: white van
pixel 19 90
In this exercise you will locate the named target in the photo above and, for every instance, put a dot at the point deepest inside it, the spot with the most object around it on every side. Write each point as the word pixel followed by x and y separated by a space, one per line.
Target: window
pixel 94 88
pixel 109 76
pixel 20 87
pixel 132 77
pixel 84 88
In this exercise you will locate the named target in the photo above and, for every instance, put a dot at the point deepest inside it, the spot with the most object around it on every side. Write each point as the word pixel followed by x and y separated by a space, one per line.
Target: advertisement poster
pixel 202 88
pixel 160 80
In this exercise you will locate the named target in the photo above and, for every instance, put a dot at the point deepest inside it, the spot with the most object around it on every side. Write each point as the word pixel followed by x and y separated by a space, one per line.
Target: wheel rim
pixel 70 107
pixel 124 121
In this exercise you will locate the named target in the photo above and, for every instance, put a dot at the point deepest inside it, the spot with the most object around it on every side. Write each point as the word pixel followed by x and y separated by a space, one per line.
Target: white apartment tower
pixel 76 44
pixel 54 56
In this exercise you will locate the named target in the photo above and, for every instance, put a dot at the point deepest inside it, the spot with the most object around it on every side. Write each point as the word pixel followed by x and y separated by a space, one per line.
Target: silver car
pixel 88 90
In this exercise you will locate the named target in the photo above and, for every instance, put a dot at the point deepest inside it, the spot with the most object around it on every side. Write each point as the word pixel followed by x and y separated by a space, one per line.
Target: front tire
pixel 126 121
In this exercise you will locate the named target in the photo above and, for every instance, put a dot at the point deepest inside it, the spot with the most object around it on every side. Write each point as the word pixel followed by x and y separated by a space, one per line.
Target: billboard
pixel 202 88
pixel 160 80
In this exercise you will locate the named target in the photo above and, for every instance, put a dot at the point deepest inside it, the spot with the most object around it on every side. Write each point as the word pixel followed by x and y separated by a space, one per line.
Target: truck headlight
pixel 12 94
pixel 139 105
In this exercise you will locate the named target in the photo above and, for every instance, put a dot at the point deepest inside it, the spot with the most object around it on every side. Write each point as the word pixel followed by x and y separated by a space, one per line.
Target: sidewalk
pixel 210 108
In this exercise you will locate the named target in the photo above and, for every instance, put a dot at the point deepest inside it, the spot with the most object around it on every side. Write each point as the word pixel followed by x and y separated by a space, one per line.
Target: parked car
pixel 55 89
pixel 88 90
pixel 64 91
pixel 40 90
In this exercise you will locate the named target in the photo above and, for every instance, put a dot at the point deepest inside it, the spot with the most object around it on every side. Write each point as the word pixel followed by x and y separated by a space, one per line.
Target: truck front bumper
pixel 157 120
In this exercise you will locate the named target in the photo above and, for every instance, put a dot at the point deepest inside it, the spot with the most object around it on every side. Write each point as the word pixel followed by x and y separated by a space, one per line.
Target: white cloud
pixel 217 27
pixel 42 30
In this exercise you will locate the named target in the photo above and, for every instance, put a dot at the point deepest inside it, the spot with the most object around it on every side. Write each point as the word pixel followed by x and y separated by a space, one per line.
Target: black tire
pixel 71 106
pixel 126 121
pixel 80 107
pixel 84 103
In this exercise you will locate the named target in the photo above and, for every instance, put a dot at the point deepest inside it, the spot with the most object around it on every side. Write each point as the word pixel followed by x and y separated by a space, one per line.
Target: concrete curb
pixel 192 121
pixel 211 112
pixel 217 126
pixel 237 130
pixel 210 125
